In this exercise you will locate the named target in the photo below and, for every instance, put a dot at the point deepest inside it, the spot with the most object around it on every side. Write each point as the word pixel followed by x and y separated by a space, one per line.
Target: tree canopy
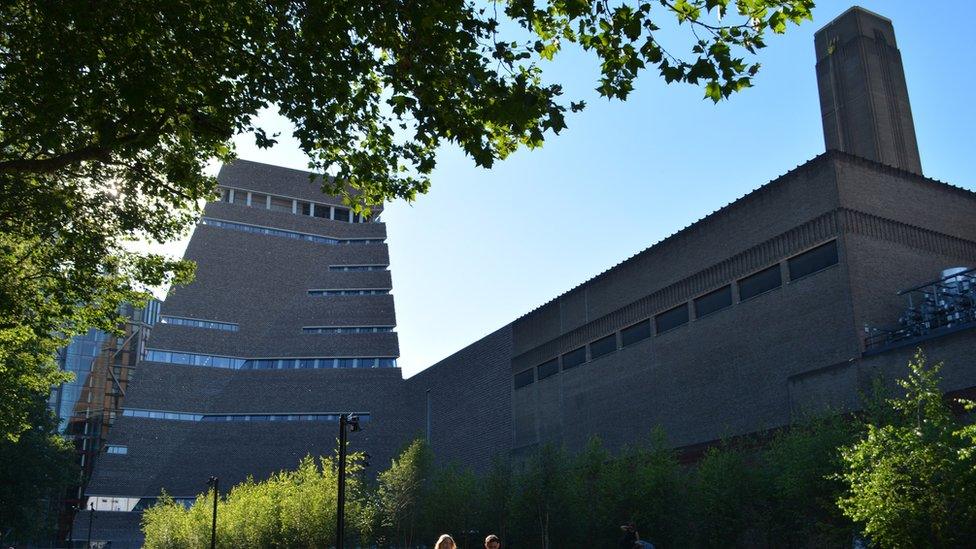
pixel 109 112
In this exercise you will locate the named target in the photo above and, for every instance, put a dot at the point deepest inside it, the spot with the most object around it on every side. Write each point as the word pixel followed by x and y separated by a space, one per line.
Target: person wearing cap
pixel 493 542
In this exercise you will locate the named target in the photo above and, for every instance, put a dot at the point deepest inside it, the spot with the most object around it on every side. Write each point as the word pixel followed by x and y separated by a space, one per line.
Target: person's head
pixel 492 542
pixel 445 542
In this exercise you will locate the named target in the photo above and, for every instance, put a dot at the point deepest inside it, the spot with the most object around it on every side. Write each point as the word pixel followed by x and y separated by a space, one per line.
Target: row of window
pixel 184 416
pixel 361 291
pixel 210 324
pixel 768 279
pixel 290 205
pixel 116 449
pixel 286 234
pixel 348 268
pixel 211 361
pixel 346 329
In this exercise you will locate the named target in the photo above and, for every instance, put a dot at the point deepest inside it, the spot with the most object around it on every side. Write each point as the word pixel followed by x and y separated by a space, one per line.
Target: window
pixel 305 208
pixel 523 378
pixel 548 368
pixel 341 214
pixel 814 260
pixel 259 200
pixel 286 234
pixel 760 283
pixel 193 359
pixel 346 329
pixel 668 320
pixel 347 268
pixel 116 449
pixel 635 333
pixel 365 291
pixel 574 358
pixel 323 211
pixel 239 196
pixel 603 346
pixel 209 324
pixel 224 194
pixel 181 416
pixel 713 301
pixel 281 204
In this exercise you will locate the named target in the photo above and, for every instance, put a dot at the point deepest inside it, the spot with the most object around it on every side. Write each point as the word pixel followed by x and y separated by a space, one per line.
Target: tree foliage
pixel 911 482
pixel 35 471
pixel 291 509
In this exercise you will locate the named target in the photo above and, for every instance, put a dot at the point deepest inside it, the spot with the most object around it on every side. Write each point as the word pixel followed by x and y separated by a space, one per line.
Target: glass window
pixel 346 363
pixel 760 283
pixel 259 200
pixel 603 346
pixel 387 363
pixel 304 208
pixel 548 368
pixel 713 301
pixel 814 260
pixel 341 214
pixel 280 204
pixel 671 319
pixel 635 333
pixel 574 358
pixel 523 378
pixel 240 197
pixel 321 210
pixel 224 194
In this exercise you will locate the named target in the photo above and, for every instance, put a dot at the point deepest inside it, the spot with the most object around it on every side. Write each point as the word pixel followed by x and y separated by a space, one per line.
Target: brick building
pixel 784 303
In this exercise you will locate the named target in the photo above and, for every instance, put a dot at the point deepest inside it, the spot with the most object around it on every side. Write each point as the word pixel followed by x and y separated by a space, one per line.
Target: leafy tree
pixel 110 110
pixel 543 500
pixel 400 493
pixel 35 471
pixel 727 499
pixel 291 509
pixel 912 482
pixel 496 498
pixel 452 506
pixel 800 466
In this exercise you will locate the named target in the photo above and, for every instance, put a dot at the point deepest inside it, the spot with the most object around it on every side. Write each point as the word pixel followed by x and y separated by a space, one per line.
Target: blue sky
pixel 486 246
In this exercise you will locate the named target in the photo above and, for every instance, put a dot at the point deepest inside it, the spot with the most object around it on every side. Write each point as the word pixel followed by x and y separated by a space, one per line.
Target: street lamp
pixel 214 483
pixel 91 519
pixel 350 422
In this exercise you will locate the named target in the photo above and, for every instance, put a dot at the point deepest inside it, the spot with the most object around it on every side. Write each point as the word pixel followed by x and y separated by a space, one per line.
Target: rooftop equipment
pixel 935 308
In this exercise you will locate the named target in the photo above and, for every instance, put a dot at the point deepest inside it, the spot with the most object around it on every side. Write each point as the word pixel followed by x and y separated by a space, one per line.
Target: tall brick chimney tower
pixel 863 96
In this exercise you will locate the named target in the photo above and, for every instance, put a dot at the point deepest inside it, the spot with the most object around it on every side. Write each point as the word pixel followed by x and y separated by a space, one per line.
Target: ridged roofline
pixel 758 192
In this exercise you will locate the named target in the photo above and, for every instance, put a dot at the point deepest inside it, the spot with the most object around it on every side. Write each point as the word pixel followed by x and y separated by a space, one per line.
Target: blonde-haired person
pixel 445 542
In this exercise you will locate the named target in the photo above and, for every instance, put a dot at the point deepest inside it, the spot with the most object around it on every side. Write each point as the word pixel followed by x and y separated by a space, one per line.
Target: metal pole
pixel 340 510
pixel 213 528
pixel 71 524
pixel 91 519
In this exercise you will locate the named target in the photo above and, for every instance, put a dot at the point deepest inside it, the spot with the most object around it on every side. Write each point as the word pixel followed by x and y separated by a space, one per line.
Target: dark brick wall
pixel 265 178
pixel 470 402
pixel 261 282
pixel 180 456
pixel 760 363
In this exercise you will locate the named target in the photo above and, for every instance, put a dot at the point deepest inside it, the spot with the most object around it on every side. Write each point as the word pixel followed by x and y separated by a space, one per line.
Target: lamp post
pixel 350 422
pixel 91 519
pixel 214 483
pixel 71 525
